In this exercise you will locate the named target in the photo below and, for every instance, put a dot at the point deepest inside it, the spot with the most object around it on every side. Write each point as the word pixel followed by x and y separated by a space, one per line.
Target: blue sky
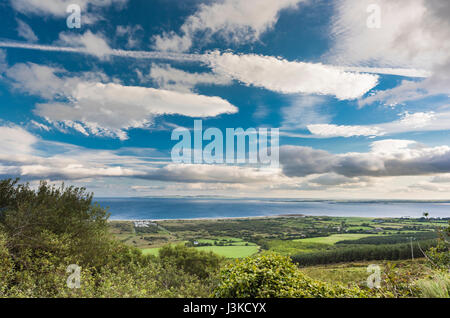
pixel 358 89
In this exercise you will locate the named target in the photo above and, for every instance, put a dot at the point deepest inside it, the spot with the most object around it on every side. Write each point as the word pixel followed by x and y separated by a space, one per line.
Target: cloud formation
pixel 235 21
pixel 386 158
pixel 286 77
pixel 171 78
pixel 408 122
pixel 90 106
pixel 58 8
pixel 19 156
pixel 413 34
pixel 25 31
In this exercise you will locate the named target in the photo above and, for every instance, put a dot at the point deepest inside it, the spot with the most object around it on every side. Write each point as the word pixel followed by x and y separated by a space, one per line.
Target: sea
pixel 158 208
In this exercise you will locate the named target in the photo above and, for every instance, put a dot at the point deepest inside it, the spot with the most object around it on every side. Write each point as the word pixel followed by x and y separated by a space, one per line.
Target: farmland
pixel 291 235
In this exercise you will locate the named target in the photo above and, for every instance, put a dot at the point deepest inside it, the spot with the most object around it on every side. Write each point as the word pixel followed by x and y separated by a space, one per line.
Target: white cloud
pixel 25 31
pixel 57 8
pixel 214 173
pixel 19 156
pixel 408 122
pixel 306 171
pixel 405 72
pixel 234 20
pixel 89 106
pixel 305 110
pixel 292 77
pixel 392 146
pixel 131 34
pixel 114 107
pixel 437 84
pixel 39 125
pixel 37 80
pixel 329 130
pixel 175 79
pixel 95 44
pixel 413 34
pixel 16 141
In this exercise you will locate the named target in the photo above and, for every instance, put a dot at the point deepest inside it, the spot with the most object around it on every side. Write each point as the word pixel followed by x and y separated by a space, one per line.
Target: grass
pixel 235 251
pixel 292 247
pixel 332 239
pixel 150 251
pixel 356 272
pixel 437 286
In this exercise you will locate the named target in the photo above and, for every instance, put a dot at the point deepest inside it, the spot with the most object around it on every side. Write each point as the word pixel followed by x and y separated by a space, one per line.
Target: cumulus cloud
pixel 386 158
pixel 19 156
pixel 86 104
pixel 235 21
pixel 16 141
pixel 286 77
pixel 115 107
pixel 304 169
pixel 213 173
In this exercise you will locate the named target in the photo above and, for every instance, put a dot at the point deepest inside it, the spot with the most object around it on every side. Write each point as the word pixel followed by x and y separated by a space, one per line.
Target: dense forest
pixel 46 233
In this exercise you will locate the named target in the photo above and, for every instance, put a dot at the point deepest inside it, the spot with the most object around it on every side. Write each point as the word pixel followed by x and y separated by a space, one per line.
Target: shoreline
pixel 221 218
pixel 255 217
pixel 274 216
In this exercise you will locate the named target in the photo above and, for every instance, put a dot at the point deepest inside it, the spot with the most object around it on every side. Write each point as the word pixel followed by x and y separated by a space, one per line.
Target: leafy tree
pixel 31 218
pixel 192 261
pixel 439 255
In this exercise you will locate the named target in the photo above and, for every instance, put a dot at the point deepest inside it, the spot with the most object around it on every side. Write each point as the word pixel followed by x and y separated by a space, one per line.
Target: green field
pixel 332 239
pixel 150 251
pixel 234 251
pixel 237 248
pixel 286 235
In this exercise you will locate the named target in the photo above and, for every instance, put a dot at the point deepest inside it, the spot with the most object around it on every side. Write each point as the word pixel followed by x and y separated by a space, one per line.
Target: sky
pixel 359 90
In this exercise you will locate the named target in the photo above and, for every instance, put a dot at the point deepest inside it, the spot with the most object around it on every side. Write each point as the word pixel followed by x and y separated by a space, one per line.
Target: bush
pixel 192 261
pixel 43 231
pixel 32 219
pixel 273 275
pixel 439 255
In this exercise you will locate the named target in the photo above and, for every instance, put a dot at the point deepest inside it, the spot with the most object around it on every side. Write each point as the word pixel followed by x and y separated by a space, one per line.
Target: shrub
pixel 192 261
pixel 273 275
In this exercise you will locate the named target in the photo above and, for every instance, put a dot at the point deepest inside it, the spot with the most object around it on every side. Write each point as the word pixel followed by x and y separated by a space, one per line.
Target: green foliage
pixel 391 239
pixel 440 255
pixel 191 260
pixel 437 286
pixel 29 218
pixel 272 275
pixel 43 231
pixel 6 266
pixel 363 253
